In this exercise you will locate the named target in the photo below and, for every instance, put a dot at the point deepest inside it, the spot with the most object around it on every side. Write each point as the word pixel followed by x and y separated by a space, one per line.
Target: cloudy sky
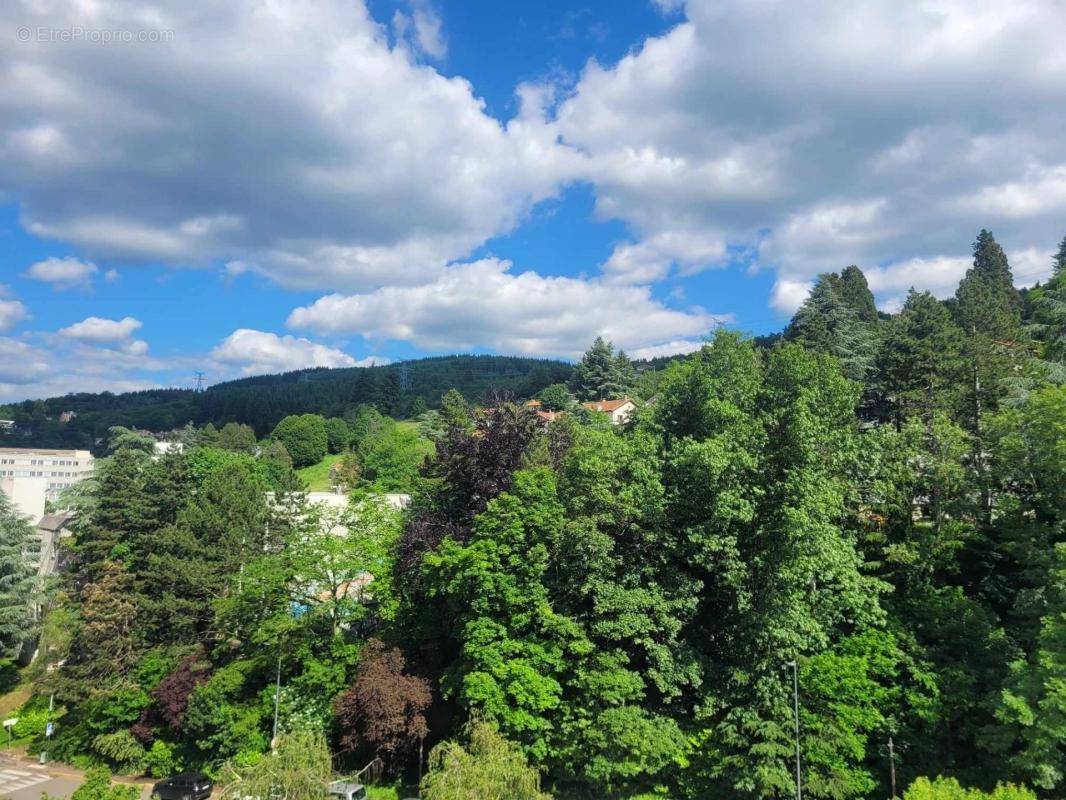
pixel 262 185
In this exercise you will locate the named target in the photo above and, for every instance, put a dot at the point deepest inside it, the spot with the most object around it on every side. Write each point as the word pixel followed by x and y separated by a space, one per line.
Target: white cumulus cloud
pixel 62 273
pixel 352 167
pixel 818 135
pixel 100 330
pixel 484 304
pixel 12 311
pixel 254 351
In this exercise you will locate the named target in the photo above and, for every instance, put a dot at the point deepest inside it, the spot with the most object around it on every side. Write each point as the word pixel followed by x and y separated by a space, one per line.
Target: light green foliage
pixel 98 786
pixel 454 410
pixel 32 718
pixel 161 761
pixel 119 438
pixel 317 476
pixel 515 648
pixel 392 454
pixel 555 398
pixel 1034 703
pixel 950 789
pixel 122 750
pixel 615 605
pixel 487 768
pixel 341 558
pixel 305 438
pixel 757 456
pixel 300 768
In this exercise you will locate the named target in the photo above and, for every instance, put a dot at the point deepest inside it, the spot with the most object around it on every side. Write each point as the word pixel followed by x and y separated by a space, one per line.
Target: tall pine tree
pixel 19 550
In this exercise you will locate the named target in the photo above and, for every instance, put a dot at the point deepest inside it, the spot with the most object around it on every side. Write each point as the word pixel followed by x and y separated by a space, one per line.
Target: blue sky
pixel 249 187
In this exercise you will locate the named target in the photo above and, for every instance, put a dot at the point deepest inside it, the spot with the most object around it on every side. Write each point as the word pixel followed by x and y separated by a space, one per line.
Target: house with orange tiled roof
pixel 620 410
pixel 547 416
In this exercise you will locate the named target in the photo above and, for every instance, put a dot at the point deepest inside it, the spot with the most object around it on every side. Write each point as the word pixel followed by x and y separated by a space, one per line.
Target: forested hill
pixel 263 400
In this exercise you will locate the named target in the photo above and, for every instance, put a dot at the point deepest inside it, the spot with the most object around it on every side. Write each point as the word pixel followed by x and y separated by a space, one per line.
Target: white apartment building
pixel 31 477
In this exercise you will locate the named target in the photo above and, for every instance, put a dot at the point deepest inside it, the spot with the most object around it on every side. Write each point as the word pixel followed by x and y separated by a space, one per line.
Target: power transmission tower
pixel 405 378
pixel 199 382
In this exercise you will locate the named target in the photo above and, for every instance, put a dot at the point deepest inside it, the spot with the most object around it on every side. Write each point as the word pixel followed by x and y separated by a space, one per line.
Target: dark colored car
pixel 186 786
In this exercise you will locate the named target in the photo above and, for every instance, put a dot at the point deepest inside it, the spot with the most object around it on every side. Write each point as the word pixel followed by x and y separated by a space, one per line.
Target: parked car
pixel 186 786
pixel 347 790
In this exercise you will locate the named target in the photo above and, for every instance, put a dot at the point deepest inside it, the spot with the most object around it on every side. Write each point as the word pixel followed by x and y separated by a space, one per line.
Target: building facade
pixel 30 478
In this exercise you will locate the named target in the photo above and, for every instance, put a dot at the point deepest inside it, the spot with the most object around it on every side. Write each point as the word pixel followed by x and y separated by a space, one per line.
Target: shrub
pixel 488 768
pixel 98 786
pixel 161 760
pixel 122 750
pixel 32 718
pixel 300 768
pixel 949 789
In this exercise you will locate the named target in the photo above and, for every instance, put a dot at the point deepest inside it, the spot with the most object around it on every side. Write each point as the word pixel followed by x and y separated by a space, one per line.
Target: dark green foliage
pixel 305 438
pixel 602 374
pixel 264 400
pixel 237 438
pixel 835 319
pixel 1049 310
pixel 986 301
pixel 19 550
pixel 856 294
pixel 338 434
pixel 919 364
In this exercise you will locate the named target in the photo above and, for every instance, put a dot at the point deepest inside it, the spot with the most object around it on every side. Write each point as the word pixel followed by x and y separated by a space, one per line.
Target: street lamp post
pixel 796 709
pixel 277 702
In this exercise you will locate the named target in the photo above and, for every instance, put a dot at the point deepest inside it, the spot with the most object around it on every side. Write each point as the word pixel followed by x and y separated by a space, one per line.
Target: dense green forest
pixel 875 501
pixel 396 389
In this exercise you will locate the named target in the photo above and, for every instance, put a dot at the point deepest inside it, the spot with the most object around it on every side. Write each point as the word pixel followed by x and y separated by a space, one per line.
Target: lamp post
pixel 796 709
pixel 277 701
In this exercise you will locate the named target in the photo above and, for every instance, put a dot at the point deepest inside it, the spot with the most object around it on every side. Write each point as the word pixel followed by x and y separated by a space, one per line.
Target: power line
pixel 199 382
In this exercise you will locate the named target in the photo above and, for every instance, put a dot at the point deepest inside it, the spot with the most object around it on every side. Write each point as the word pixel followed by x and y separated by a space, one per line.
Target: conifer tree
pixel 855 291
pixel 827 323
pixel 988 309
pixel 601 374
pixel 1049 310
pixel 18 571
pixel 918 363
pixel 986 303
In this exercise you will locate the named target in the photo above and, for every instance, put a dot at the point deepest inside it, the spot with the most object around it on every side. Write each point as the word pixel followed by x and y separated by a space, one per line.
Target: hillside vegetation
pixel 262 401
pixel 858 529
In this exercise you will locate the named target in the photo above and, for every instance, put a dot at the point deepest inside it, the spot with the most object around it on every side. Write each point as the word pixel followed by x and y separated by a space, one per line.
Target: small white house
pixel 619 410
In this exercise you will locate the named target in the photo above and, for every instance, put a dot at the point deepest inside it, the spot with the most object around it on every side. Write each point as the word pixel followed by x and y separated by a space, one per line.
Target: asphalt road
pixel 22 779
pixel 24 782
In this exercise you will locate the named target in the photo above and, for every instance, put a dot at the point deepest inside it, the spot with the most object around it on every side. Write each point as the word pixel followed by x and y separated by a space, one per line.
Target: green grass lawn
pixel 317 475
